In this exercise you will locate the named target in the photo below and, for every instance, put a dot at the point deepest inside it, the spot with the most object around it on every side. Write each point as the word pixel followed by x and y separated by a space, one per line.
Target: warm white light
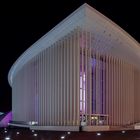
pixel 62 137
pixel 123 131
pixel 33 123
pixel 17 133
pixel 7 138
pixel 35 135
pixel 96 118
pixel 98 134
pixel 68 132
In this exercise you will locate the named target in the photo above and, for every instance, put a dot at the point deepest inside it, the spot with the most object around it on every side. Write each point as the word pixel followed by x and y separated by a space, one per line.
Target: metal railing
pixel 94 119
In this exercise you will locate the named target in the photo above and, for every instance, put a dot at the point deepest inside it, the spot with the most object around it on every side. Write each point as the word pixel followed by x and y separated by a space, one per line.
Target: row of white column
pixel 137 95
pixel 47 88
pixel 109 84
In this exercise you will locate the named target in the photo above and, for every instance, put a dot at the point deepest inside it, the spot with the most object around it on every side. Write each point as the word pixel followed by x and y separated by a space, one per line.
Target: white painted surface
pixel 115 40
pixel 95 128
pixel 137 126
pixel 56 128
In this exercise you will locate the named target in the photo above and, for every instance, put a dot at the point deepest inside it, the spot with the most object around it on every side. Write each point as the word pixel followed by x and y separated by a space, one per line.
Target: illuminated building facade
pixel 84 72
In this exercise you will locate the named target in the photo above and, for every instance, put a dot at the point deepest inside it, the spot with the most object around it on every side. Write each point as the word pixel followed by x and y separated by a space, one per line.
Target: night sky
pixel 21 24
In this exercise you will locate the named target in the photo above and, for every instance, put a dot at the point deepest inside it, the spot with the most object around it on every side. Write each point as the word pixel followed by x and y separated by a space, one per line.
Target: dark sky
pixel 21 24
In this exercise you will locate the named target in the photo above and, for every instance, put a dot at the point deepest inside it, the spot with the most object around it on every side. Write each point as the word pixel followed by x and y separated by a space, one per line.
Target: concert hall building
pixel 84 73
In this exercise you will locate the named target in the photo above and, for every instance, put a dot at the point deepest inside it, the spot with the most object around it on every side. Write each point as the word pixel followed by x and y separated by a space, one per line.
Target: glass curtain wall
pixel 92 83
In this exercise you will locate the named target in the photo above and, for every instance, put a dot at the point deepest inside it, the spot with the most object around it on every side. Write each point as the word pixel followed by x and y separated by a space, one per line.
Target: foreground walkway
pixel 26 134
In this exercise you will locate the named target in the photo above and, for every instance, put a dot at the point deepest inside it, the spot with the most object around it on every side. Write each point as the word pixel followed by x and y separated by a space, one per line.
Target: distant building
pixel 84 72
pixel 1 113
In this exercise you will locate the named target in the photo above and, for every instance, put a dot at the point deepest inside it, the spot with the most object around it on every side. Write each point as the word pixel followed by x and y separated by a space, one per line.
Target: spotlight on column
pixel 98 134
pixel 68 133
pixel 123 131
pixel 62 137
pixel 7 138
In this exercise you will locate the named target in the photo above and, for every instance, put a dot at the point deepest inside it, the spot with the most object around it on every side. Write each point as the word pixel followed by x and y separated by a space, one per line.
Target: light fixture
pixel 98 134
pixel 62 137
pixel 17 133
pixel 5 131
pixel 7 138
pixel 96 118
pixel 33 131
pixel 100 121
pixel 69 133
pixel 35 135
pixel 33 123
pixel 123 131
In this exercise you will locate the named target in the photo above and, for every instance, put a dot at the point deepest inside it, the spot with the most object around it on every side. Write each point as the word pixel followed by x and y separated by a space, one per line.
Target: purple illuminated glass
pixel 4 122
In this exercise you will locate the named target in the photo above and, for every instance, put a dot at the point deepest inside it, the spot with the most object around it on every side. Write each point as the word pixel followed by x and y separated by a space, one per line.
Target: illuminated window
pixel 82 92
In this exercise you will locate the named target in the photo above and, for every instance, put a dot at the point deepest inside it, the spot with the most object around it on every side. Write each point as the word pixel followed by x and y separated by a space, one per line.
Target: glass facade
pixel 90 87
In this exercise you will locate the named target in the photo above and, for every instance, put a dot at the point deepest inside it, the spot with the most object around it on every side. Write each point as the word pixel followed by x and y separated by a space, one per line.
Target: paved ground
pixel 26 134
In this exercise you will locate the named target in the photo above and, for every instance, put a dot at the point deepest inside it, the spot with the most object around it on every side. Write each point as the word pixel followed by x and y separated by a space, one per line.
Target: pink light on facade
pixel 4 122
